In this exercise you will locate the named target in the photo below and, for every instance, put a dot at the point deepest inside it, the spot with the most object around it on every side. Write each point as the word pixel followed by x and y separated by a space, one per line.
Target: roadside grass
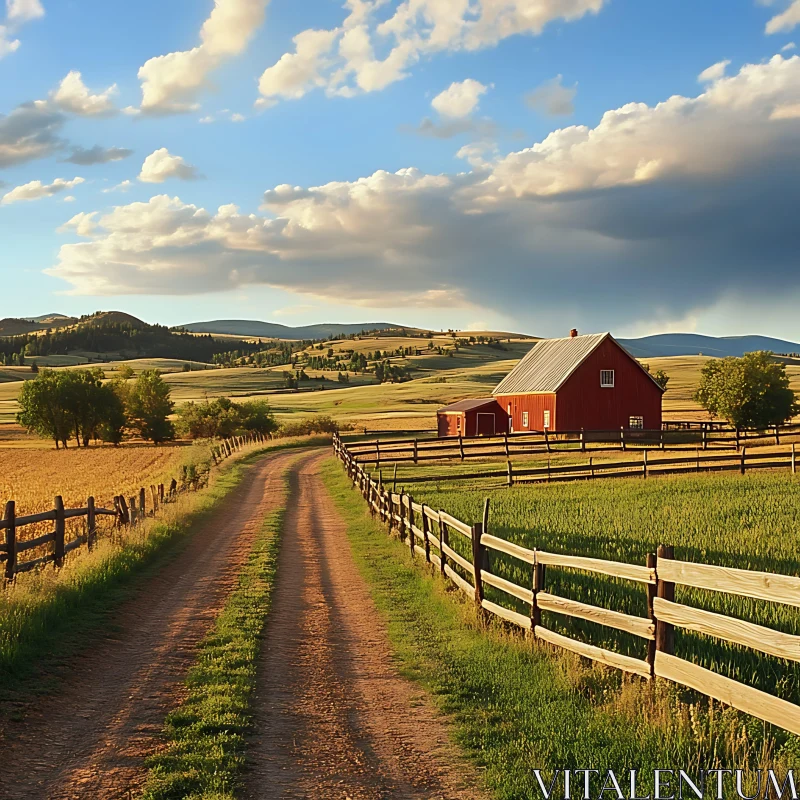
pixel 49 614
pixel 517 706
pixel 205 736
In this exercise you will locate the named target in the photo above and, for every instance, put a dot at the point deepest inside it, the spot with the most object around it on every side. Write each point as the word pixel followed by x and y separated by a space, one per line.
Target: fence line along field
pixel 717 613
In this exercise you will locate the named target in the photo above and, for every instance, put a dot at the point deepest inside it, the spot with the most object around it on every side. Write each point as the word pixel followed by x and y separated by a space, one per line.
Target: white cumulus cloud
pixel 459 99
pixel 171 83
pixel 8 45
pixel 647 197
pixel 34 190
pixel 714 72
pixel 365 54
pixel 24 10
pixel 73 95
pixel 161 165
pixel 785 21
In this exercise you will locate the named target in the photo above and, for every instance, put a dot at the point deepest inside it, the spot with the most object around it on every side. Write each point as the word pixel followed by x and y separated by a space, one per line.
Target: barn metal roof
pixel 468 405
pixel 548 364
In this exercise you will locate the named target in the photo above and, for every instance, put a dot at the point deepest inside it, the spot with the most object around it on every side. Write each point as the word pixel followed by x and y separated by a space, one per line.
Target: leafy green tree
pixel 44 407
pixel 750 392
pixel 660 377
pixel 257 417
pixel 150 406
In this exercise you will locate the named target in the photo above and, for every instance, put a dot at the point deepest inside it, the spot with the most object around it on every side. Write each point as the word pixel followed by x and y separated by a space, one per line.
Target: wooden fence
pixel 704 437
pixel 646 466
pixel 428 534
pixel 126 511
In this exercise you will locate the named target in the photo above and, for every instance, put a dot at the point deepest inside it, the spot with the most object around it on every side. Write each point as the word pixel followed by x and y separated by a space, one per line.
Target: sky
pixel 524 165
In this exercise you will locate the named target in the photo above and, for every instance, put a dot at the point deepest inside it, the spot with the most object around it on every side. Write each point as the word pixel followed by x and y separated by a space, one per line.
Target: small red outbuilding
pixel 481 417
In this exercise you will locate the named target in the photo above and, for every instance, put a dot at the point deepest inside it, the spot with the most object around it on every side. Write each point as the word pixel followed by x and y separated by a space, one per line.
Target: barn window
pixel 607 378
pixel 547 418
pixel 524 419
pixel 636 423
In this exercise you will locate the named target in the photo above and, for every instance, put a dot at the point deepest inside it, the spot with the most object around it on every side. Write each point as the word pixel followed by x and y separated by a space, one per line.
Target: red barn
pixel 482 417
pixel 582 382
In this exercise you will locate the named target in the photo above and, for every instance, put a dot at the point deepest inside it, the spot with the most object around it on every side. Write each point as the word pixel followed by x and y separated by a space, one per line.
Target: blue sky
pixel 404 160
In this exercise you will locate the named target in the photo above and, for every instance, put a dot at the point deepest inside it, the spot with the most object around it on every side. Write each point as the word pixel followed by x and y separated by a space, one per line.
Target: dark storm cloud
pixel 97 155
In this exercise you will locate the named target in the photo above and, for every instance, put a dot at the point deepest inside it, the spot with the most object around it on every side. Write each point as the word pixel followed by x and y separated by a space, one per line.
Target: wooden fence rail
pixel 645 467
pixel 416 524
pixel 457 447
pixel 128 512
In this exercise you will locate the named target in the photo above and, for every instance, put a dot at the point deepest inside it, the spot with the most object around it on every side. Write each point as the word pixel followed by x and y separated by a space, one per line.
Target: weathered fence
pixel 673 436
pixel 428 534
pixel 647 465
pixel 126 511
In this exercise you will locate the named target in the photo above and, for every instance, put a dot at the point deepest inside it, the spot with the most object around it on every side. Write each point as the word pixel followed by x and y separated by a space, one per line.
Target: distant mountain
pixel 273 330
pixel 693 344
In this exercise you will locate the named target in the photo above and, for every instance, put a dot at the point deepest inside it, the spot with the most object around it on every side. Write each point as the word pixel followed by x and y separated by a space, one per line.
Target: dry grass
pixel 33 477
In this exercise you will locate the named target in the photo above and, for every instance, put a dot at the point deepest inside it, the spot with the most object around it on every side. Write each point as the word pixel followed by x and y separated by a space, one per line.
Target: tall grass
pixel 518 706
pixel 749 522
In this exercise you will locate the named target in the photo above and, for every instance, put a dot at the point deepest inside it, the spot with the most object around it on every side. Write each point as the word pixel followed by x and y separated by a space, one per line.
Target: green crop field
pixel 748 522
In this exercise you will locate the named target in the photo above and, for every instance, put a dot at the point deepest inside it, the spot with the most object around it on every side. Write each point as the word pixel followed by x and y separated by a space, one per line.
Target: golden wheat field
pixel 33 477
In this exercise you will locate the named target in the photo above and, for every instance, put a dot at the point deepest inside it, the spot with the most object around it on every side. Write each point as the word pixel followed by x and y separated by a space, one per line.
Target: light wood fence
pixel 703 437
pixel 431 535
pixel 645 466
pixel 126 511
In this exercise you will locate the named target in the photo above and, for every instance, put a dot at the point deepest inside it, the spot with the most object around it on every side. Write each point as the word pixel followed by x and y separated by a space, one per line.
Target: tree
pixel 150 406
pixel 43 407
pixel 660 377
pixel 750 392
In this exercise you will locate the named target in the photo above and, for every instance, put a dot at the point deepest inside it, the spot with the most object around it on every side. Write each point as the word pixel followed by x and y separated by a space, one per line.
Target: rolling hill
pixel 694 344
pixel 274 330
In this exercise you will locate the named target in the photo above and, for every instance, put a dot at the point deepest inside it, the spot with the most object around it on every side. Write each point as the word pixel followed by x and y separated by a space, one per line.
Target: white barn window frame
pixel 606 378
pixel 636 423
pixel 546 420
pixel 524 419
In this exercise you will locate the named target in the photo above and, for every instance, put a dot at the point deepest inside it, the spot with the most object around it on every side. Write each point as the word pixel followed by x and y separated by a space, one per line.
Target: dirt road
pixel 334 719
pixel 90 741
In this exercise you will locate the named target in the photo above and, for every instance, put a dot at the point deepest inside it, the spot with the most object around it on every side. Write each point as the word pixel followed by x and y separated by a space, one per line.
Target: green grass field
pixel 517 705
pixel 749 522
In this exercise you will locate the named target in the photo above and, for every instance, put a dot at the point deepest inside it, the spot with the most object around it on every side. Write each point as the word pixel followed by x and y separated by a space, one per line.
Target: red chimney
pixel 573 333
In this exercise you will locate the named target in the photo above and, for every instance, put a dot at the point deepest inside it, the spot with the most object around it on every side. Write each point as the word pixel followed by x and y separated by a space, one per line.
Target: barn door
pixel 486 424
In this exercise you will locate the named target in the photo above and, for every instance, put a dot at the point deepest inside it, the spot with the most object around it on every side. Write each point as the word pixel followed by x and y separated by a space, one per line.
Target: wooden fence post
pixel 583 441
pixel 425 530
pixel 91 528
pixel 665 634
pixel 510 474
pixel 742 466
pixel 461 447
pixel 11 539
pixel 644 463
pixel 538 586
pixel 591 466
pixel 133 511
pixel 412 537
pixel 377 453
pixel 444 538
pixel 161 493
pixel 394 478
pixel 173 487
pixel 142 503
pixel 794 461
pixel 622 438
pixel 125 517
pixel 651 593
pixel 546 440
pixel 415 451
pixel 705 438
pixel 477 563
pixel 505 435
pixel 154 495
pixel 777 437
pixel 737 437
pixel 61 531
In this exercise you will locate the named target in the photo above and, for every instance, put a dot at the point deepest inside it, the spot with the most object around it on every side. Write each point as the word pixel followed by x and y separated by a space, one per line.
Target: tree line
pixel 80 405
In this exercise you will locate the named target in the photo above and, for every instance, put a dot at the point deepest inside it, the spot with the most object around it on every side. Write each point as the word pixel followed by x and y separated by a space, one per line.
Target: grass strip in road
pixel 206 734
pixel 517 706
